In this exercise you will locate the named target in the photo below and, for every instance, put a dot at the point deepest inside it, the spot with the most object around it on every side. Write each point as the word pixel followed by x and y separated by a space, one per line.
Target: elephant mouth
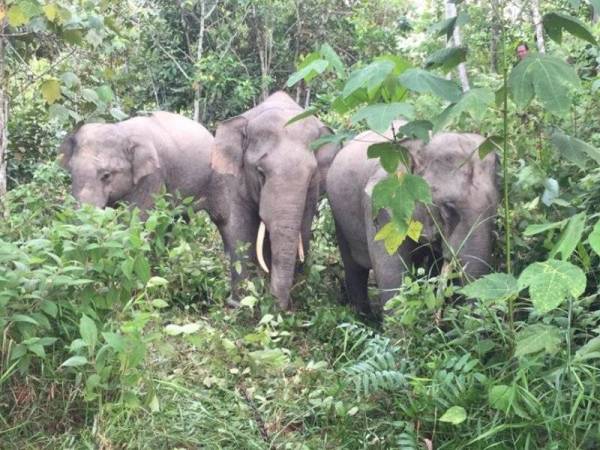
pixel 260 241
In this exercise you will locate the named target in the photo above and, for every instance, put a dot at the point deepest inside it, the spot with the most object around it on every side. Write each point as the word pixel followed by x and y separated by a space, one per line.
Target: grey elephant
pixel 465 197
pixel 265 186
pixel 130 161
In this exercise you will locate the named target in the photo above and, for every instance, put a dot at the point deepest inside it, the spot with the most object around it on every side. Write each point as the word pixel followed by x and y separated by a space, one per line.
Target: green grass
pixel 163 364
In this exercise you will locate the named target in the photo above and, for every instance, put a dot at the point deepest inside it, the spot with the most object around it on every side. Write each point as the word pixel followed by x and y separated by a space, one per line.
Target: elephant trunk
pixel 89 194
pixel 284 223
pixel 471 241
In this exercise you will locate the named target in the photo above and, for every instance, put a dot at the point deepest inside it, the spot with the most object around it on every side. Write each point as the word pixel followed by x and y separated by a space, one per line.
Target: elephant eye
pixel 261 174
pixel 450 216
pixel 105 177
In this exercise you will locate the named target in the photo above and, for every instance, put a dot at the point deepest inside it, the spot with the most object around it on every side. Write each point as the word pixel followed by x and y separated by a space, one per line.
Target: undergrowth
pixel 116 335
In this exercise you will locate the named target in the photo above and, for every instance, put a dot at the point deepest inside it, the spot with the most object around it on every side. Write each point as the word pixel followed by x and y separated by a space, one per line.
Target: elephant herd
pixel 260 181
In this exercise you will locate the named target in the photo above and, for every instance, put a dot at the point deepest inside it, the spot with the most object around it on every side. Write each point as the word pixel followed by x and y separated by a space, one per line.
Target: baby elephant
pixel 130 160
pixel 465 197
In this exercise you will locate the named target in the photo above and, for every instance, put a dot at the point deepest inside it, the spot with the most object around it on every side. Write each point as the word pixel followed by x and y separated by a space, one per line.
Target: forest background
pixel 114 333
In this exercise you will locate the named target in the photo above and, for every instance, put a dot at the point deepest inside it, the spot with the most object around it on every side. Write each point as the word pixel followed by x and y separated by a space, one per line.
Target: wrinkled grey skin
pixel 264 170
pixel 131 160
pixel 465 198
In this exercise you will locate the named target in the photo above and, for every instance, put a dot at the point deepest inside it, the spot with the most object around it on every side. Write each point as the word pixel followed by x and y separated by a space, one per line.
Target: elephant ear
pixel 66 149
pixel 325 155
pixel 144 160
pixel 228 146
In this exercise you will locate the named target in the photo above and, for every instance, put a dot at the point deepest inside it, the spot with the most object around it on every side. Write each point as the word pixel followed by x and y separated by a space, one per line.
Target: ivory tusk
pixel 260 240
pixel 300 250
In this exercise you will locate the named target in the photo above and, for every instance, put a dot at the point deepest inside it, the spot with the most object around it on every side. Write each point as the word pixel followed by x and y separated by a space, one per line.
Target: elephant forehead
pixel 272 125
pixel 99 158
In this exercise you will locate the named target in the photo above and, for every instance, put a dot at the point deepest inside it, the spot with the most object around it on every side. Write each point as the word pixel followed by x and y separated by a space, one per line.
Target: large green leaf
pixel 105 93
pixel 446 27
pixel 74 361
pixel 590 350
pixel 446 58
pixel 489 145
pixel 501 397
pixel 570 237
pixel 538 228
pixel 73 36
pixel 58 112
pixel 551 282
pixel 594 238
pixel 548 78
pixel 421 81
pixel 88 331
pixel 274 358
pixel 556 22
pixel 337 139
pixel 492 287
pixel 454 415
pixel 308 72
pixel 391 89
pixel 332 57
pixel 390 154
pixel 380 116
pixel 538 337
pixel 91 96
pixel 370 77
pixel 417 129
pixel 575 150
pixel 399 194
pixel 475 102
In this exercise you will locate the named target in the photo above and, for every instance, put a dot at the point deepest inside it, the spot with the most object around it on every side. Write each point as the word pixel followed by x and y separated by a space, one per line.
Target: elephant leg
pixel 389 269
pixel 356 278
pixel 236 233
pixel 310 210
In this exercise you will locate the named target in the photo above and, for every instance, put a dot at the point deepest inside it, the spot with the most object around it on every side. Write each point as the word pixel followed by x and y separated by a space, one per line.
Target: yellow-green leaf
pixel 414 230
pixel 455 415
pixel 51 11
pixel 16 16
pixel 51 90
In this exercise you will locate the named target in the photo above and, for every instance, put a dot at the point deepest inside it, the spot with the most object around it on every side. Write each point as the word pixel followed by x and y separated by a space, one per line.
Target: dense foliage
pixel 115 331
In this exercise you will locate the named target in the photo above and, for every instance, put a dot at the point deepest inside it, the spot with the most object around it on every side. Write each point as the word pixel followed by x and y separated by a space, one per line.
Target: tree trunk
pixel 539 26
pixel 495 32
pixel 264 45
pixel 3 107
pixel 204 14
pixel 456 40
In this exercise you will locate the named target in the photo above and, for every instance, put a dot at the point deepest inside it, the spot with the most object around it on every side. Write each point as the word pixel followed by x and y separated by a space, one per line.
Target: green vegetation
pixel 115 332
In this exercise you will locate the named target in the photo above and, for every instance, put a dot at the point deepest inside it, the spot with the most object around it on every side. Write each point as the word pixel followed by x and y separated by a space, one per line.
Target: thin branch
pixel 172 58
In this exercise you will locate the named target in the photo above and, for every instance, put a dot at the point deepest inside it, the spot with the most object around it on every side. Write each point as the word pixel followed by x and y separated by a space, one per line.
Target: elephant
pixel 131 160
pixel 459 223
pixel 265 187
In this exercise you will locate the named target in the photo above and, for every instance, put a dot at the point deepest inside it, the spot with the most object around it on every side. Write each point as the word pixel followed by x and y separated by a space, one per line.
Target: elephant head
pixel 106 164
pixel 272 180
pixel 465 196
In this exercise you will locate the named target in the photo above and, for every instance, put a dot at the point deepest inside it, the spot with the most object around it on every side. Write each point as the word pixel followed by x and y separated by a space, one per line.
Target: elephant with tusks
pixel 266 182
